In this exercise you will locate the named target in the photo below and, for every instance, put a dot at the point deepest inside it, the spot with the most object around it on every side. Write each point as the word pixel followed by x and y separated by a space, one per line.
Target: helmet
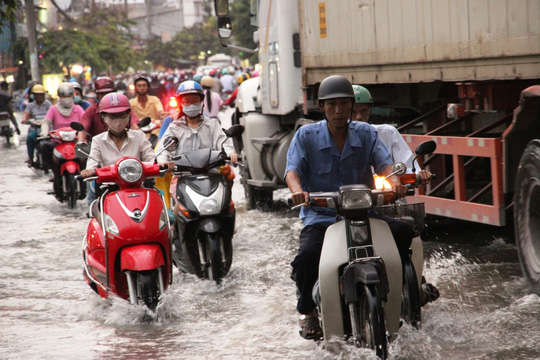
pixel 104 84
pixel 224 72
pixel 114 103
pixel 38 89
pixel 142 78
pixel 207 81
pixel 255 73
pixel 190 87
pixel 362 95
pixel 76 86
pixel 242 77
pixel 65 89
pixel 335 86
pixel 212 72
pixel 197 78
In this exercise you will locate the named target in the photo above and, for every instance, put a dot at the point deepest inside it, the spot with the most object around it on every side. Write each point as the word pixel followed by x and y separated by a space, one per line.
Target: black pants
pixel 306 263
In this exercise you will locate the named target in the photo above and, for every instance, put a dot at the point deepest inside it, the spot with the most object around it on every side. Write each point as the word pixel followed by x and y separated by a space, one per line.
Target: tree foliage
pixel 242 31
pixel 8 9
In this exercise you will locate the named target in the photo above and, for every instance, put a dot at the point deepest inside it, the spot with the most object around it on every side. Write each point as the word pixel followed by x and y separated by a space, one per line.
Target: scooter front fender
pixel 141 257
pixel 71 167
pixel 209 225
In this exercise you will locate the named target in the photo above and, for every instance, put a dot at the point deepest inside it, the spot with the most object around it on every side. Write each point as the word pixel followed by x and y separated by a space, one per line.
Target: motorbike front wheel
pixel 71 190
pixel 213 254
pixel 367 321
pixel 410 297
pixel 148 291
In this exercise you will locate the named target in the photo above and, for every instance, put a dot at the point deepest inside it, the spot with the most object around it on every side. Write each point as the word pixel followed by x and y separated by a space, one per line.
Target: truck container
pixel 465 73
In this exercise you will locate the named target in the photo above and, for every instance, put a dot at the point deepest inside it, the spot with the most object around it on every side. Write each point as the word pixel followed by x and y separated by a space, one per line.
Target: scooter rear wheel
pixel 367 321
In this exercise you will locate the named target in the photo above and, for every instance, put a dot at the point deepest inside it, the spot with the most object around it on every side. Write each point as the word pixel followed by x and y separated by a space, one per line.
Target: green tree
pixel 242 31
pixel 8 9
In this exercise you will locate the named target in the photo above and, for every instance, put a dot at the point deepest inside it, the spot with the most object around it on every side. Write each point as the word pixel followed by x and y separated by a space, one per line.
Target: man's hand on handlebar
pixel 168 165
pixel 300 197
pixel 234 158
pixel 86 173
pixel 425 176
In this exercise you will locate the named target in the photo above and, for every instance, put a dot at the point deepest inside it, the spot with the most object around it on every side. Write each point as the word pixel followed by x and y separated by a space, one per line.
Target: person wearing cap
pixel 322 157
pixel 36 110
pixel 193 129
pixel 91 119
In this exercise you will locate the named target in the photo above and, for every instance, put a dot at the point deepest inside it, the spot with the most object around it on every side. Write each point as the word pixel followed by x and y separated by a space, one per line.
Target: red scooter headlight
pixel 130 170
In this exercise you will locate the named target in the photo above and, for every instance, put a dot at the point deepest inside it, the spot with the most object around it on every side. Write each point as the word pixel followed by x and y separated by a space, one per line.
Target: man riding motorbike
pixel 322 157
pixel 36 110
pixel 193 129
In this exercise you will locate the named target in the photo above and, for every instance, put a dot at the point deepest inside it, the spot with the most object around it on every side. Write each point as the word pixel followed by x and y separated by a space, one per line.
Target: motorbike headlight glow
pixel 356 199
pixel 110 226
pixel 130 170
pixel 210 205
pixel 68 135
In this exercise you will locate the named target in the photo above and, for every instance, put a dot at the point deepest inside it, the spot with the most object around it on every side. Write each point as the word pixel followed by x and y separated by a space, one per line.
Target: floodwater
pixel 48 312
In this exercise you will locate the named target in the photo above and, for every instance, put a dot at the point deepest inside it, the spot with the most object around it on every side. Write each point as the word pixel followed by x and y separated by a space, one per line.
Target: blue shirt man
pixel 315 157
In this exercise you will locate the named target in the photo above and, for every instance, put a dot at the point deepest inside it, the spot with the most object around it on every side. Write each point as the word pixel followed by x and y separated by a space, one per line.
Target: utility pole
pixel 148 18
pixel 31 28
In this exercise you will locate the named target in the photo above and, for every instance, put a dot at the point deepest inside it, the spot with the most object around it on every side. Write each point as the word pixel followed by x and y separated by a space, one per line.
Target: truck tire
pixel 527 214
pixel 256 198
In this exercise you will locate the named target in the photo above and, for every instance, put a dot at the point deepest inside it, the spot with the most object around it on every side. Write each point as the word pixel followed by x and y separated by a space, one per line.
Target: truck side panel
pixel 403 41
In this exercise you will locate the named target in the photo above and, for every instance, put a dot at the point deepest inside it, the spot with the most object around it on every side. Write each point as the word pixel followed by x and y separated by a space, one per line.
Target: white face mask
pixel 117 125
pixel 66 102
pixel 192 110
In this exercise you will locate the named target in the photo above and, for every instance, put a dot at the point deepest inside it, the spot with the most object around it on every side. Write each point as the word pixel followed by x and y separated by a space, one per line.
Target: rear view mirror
pixel 399 169
pixel 145 121
pixel 75 125
pixel 234 131
pixel 171 143
pixel 427 147
pixel 82 149
pixel 224 27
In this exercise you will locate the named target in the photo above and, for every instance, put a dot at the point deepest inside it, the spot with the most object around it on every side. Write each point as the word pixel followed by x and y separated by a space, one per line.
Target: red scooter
pixel 67 188
pixel 127 249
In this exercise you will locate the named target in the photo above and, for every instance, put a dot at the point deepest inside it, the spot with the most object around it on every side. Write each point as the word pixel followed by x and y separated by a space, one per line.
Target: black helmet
pixel 335 86
pixel 142 78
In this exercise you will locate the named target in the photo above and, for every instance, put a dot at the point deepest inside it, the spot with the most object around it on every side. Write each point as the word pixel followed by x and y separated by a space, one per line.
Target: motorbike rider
pixel 322 157
pixel 118 140
pixel 78 98
pixel 212 100
pixel 231 99
pixel 145 104
pixel 6 104
pixel 37 109
pixel 60 115
pixel 193 129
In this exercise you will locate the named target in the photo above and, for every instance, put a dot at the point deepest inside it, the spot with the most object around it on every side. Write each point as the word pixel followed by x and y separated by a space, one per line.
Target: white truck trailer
pixel 418 58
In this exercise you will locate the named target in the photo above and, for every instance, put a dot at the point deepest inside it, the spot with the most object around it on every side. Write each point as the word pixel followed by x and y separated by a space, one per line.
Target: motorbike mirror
pixel 82 150
pixel 399 169
pixel 75 125
pixel 224 27
pixel 171 143
pixel 222 7
pixel 145 121
pixel 427 147
pixel 235 131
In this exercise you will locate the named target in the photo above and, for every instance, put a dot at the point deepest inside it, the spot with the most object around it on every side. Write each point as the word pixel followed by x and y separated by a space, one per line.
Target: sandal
pixel 310 329
pixel 428 294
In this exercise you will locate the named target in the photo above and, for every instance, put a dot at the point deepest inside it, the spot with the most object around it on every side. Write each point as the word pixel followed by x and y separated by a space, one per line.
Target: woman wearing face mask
pixel 58 116
pixel 193 129
pixel 118 141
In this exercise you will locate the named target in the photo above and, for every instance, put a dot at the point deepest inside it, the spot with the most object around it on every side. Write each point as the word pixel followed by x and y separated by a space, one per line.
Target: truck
pixel 464 73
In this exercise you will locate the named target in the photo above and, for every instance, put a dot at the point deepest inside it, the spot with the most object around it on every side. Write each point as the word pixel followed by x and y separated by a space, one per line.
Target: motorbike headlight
pixel 130 170
pixel 110 226
pixel 68 135
pixel 356 199
pixel 207 205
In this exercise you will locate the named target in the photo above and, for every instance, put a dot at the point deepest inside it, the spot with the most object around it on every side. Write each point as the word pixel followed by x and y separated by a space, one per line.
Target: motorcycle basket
pixel 413 214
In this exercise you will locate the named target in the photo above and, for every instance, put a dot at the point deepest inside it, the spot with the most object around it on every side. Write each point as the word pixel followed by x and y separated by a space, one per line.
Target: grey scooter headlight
pixel 207 205
pixel 356 199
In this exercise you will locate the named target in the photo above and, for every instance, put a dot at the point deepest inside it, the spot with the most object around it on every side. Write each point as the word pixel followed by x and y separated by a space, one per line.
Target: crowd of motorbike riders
pixel 108 107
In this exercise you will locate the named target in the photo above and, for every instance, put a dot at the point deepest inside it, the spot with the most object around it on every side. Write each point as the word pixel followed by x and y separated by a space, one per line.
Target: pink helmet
pixel 114 103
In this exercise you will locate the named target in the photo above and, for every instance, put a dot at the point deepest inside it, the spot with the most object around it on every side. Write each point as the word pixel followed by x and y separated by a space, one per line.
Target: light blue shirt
pixel 315 157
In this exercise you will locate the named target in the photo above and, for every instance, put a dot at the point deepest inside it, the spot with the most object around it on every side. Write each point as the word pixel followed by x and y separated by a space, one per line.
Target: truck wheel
pixel 527 214
pixel 258 198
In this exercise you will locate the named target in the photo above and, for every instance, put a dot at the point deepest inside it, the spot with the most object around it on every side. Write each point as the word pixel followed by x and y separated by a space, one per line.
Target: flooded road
pixel 48 312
